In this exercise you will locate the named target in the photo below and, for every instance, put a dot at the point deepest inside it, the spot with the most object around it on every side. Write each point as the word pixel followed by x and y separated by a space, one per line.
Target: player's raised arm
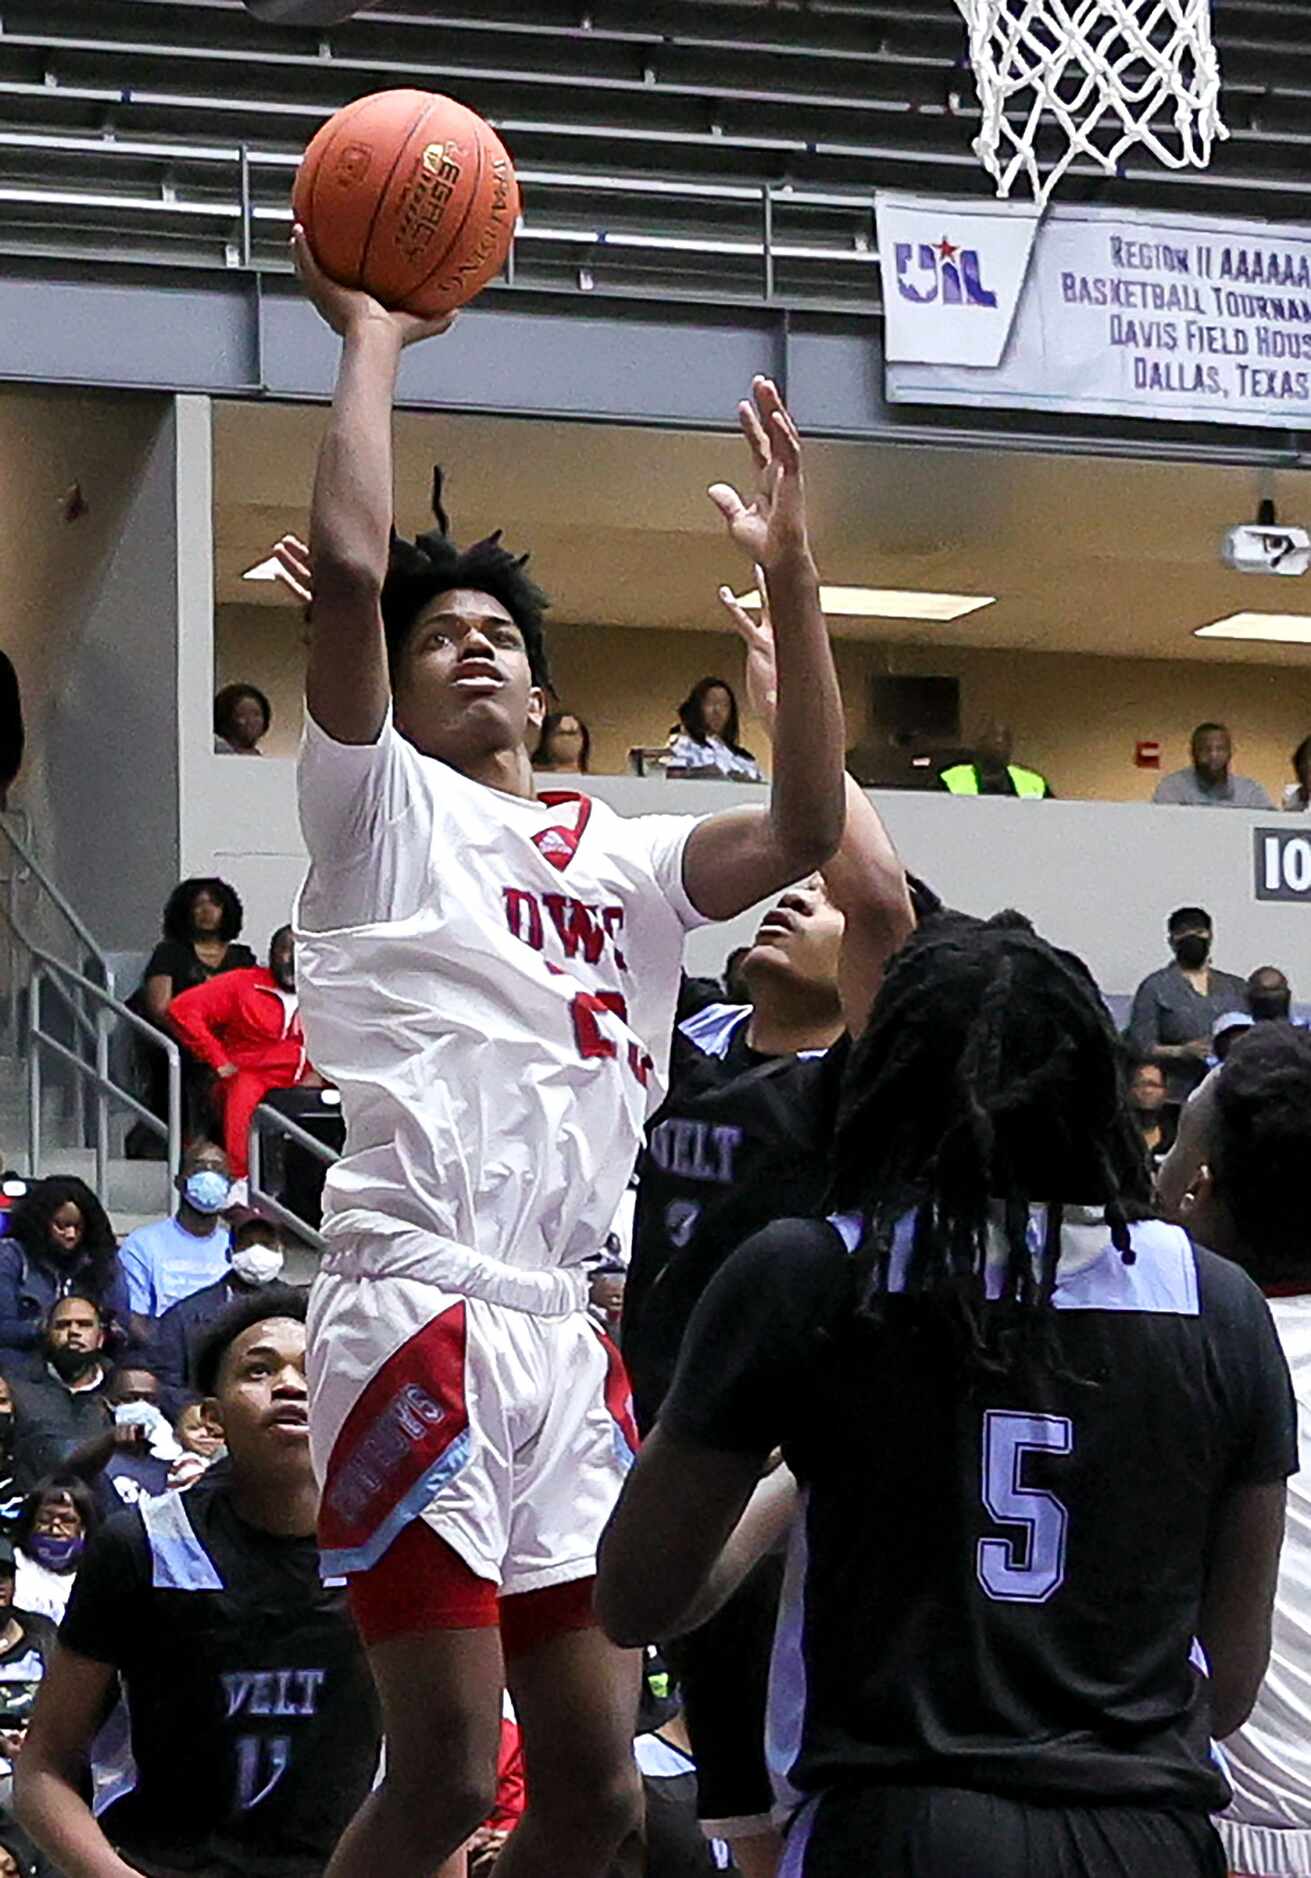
pixel 864 879
pixel 737 858
pixel 351 514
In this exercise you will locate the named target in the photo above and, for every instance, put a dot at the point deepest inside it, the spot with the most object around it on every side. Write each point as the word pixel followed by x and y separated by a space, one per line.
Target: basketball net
pixel 1108 74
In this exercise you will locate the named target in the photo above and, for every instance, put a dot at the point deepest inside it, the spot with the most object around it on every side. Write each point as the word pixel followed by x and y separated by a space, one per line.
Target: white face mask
pixel 258 1264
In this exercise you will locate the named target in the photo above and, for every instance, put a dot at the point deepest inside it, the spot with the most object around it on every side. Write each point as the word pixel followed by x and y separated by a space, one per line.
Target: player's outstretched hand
pixel 757 635
pixel 347 308
pixel 772 528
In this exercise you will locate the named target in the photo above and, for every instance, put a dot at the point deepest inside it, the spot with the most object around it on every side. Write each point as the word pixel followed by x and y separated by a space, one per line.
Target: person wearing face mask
pixel 56 1412
pixel 257 1258
pixel 1175 1008
pixel 171 1258
pixel 58 1517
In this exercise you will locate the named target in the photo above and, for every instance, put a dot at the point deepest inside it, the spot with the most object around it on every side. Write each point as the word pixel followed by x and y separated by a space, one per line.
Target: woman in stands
pixel 705 738
pixel 242 715
pixel 60 1241
pixel 566 745
pixel 1040 1439
pixel 59 1516
pixel 202 921
pixel 1297 795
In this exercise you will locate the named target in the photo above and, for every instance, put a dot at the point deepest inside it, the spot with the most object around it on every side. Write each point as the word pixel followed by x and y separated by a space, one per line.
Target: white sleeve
pixel 665 838
pixel 366 816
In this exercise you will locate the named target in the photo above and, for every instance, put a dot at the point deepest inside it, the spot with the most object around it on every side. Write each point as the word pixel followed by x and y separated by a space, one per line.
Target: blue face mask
pixel 57 1555
pixel 207 1190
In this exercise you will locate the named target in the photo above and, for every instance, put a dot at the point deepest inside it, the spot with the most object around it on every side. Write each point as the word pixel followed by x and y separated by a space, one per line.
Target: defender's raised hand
pixel 772 528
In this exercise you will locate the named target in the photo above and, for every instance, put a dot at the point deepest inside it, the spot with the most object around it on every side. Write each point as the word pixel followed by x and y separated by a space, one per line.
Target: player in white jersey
pixel 489 977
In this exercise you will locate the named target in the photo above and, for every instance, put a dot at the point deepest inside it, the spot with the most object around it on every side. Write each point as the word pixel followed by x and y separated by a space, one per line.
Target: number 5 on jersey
pixel 1029 1567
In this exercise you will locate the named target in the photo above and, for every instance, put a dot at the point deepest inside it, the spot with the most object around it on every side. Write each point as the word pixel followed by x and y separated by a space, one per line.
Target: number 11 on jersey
pixel 1029 1567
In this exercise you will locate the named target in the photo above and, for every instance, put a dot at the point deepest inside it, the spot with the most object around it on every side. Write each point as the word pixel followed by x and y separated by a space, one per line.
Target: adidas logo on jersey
pixel 552 842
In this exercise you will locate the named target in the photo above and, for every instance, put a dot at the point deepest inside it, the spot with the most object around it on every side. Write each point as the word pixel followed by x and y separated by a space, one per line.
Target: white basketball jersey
pixel 490 982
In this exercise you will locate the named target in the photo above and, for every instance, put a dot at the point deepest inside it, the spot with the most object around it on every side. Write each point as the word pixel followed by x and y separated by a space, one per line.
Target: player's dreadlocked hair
pixel 1261 1141
pixel 990 1073
pixel 431 564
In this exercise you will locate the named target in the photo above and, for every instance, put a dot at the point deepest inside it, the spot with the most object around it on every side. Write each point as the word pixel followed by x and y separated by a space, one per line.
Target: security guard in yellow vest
pixel 992 773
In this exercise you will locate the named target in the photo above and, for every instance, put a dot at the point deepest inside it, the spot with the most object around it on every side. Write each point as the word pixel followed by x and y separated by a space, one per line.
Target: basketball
pixel 410 196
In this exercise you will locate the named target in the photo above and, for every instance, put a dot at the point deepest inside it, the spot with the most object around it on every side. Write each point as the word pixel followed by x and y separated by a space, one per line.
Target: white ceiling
pixel 1084 554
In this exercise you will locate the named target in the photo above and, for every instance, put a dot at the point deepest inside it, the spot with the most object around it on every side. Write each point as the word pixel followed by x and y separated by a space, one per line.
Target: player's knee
pixel 605 1813
pixel 443 1808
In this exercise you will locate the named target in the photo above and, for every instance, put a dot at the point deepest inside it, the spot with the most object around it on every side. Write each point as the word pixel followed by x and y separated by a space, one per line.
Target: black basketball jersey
pixel 740 1140
pixel 995 1581
pixel 254 1724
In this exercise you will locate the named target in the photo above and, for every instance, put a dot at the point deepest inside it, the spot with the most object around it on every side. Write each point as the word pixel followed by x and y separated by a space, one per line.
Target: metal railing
pixel 268 1203
pixel 77 990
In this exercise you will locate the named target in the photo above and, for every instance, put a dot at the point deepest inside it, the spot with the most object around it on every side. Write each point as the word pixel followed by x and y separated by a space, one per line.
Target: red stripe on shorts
pixel 405 1420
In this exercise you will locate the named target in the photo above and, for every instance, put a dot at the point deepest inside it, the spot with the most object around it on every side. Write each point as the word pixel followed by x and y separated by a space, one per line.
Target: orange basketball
pixel 410 196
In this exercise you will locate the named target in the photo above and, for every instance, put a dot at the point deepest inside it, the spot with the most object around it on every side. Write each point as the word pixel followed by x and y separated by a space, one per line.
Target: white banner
pixel 1097 310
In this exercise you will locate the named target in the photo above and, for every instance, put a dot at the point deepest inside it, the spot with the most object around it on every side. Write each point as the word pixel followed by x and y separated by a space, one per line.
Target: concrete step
pixel 141 1189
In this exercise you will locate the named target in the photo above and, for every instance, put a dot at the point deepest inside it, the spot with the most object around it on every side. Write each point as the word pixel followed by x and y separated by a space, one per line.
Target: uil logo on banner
pixel 953 273
pixel 941 270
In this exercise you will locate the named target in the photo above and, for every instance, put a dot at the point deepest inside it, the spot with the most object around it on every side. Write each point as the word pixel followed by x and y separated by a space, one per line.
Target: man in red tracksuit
pixel 246 1026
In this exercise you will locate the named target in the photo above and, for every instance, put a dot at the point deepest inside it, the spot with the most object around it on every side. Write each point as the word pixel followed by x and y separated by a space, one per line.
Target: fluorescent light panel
pixel 1292 629
pixel 890 603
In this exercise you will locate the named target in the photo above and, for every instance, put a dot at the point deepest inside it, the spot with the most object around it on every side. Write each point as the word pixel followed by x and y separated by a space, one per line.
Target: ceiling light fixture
pixel 890 603
pixel 1290 629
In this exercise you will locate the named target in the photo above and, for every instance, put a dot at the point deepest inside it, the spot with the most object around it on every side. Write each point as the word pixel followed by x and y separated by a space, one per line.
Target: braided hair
pixel 431 564
pixel 1261 1138
pixel 990 1074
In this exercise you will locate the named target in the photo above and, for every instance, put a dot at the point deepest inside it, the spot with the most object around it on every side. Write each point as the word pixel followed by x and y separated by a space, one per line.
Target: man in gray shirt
pixel 1175 1009
pixel 1206 783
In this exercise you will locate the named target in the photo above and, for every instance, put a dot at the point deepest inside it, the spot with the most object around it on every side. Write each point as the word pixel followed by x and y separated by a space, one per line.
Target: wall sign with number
pixel 1283 864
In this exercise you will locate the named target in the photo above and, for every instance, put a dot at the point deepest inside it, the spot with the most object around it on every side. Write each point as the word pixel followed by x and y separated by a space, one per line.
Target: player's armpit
pixel 1238 1601
pixel 679 1506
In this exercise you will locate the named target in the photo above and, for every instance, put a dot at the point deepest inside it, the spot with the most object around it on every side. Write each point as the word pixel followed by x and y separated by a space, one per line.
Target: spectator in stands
pixel 60 1241
pixel 17 1857
pixel 1225 1032
pixel 65 1405
pixel 1156 1117
pixel 704 742
pixel 1269 995
pixel 58 1518
pixel 242 715
pixel 254 1723
pixel 202 924
pixel 1175 1008
pixel 1207 783
pixel 1254 1206
pixel 246 1027
pixel 992 773
pixel 173 1257
pixel 1297 795
pixel 257 1259
pixel 199 1435
pixel 133 1456
pixel 27 1643
pixel 11 728
pixel 565 748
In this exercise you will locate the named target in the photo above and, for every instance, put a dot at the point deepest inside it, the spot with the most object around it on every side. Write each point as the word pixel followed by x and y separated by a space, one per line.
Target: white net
pixel 1105 74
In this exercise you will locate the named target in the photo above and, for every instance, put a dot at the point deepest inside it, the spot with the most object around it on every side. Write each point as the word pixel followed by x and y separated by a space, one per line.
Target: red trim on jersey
pixel 558 844
pixel 398 1429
